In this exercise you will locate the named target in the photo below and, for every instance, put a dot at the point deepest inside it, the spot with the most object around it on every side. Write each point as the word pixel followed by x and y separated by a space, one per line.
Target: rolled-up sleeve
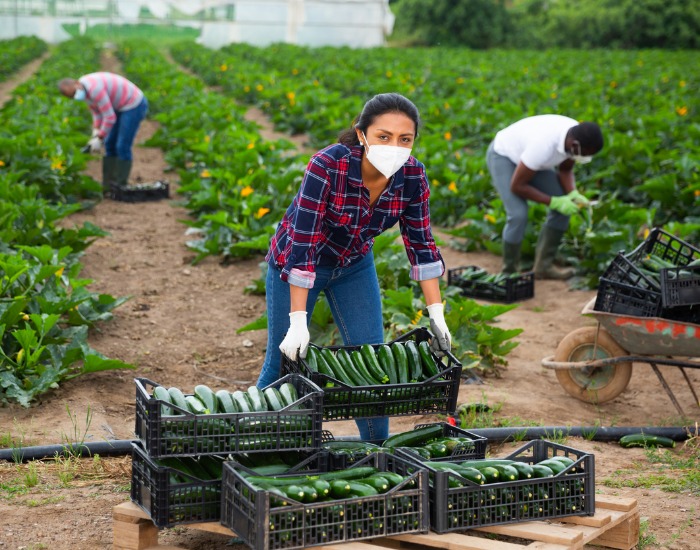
pixel 304 228
pixel 423 254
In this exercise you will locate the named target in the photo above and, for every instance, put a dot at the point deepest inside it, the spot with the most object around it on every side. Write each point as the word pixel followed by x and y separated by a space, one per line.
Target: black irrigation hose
pixel 117 447
pixel 122 447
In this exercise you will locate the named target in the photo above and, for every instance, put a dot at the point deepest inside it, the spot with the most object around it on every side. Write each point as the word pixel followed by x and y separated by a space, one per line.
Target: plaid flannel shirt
pixel 330 221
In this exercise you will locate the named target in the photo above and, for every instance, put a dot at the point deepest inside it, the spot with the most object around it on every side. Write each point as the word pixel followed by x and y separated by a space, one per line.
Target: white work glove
pixel 296 342
pixel 95 132
pixel 442 340
pixel 95 145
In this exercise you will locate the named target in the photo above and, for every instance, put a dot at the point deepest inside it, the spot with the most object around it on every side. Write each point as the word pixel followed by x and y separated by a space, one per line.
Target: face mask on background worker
pixel 577 156
pixel 387 158
pixel 79 94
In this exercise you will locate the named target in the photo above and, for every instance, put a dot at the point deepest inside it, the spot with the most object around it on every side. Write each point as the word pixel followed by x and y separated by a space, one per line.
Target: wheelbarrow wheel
pixel 592 384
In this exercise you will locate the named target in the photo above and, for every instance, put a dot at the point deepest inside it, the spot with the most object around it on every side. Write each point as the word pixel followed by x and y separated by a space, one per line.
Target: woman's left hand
pixel 442 339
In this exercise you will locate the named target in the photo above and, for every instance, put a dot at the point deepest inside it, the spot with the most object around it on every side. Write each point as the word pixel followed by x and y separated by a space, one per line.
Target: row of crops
pixel 645 101
pixel 236 186
pixel 46 308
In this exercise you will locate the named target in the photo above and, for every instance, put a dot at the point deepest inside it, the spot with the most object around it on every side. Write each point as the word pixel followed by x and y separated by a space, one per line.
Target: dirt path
pixel 179 329
pixel 21 76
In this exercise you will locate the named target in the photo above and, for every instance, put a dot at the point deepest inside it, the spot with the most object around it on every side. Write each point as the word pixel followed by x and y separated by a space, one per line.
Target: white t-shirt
pixel 536 141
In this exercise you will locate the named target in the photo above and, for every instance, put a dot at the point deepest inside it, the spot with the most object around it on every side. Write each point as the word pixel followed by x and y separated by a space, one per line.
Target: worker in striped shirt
pixel 118 106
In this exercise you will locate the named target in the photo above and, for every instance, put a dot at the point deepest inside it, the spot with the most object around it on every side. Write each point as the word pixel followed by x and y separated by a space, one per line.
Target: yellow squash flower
pixel 682 111
pixel 452 187
pixel 205 173
pixel 261 212
pixel 247 190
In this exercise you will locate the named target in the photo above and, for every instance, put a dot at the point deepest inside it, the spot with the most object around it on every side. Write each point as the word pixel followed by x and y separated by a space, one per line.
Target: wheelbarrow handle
pixel 549 363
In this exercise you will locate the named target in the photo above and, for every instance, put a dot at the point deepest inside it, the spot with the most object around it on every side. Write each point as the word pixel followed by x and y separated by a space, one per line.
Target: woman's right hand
pixel 296 342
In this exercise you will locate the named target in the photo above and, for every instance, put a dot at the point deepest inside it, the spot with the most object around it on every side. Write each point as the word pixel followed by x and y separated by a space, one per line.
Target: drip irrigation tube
pixel 122 447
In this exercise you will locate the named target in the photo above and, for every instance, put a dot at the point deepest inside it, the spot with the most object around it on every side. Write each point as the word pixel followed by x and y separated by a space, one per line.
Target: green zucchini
pixel 401 360
pixel 160 393
pixel 381 484
pixel 484 462
pixel 257 399
pixel 360 489
pixel 207 396
pixel 242 401
pixel 524 470
pixel 337 368
pixel 645 440
pixel 430 367
pixel 273 398
pixel 288 393
pixel 491 474
pixel 414 362
pixel 343 357
pixel 178 398
pixel 508 473
pixel 392 477
pixel 195 405
pixel 226 403
pixel 555 465
pixel 359 365
pixel 311 358
pixel 339 488
pixel 387 363
pixel 414 438
pixel 349 473
pixel 325 369
pixel 295 492
pixel 372 364
pixel 541 470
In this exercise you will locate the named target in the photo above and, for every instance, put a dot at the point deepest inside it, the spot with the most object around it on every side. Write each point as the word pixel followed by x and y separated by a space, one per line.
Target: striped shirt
pixel 330 221
pixel 108 94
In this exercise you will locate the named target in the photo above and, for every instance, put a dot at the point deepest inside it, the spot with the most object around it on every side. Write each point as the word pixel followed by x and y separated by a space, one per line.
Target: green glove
pixel 564 205
pixel 579 199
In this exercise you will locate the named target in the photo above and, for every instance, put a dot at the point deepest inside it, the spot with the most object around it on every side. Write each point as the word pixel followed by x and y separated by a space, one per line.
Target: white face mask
pixel 79 94
pixel 387 158
pixel 578 157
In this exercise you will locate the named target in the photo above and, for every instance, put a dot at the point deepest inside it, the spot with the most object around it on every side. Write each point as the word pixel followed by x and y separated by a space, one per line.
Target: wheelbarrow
pixel 594 364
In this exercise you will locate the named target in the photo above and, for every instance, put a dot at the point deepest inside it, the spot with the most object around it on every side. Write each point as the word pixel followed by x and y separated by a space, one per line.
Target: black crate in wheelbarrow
pixel 256 515
pixel 458 503
pixel 169 494
pixel 341 401
pixel 623 270
pixel 680 286
pixel 515 288
pixel 344 452
pixel 667 247
pixel 297 426
pixel 625 299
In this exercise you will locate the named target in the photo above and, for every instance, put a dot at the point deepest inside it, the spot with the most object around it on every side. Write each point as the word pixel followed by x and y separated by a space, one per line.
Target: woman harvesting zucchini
pixel 352 191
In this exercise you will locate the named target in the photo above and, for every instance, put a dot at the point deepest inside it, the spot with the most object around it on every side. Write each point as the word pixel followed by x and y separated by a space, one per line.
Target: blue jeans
pixel 353 295
pixel 121 136
pixel 547 181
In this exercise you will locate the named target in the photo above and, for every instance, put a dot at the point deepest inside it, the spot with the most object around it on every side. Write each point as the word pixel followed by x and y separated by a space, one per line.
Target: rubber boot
pixel 511 257
pixel 109 173
pixel 122 171
pixel 547 246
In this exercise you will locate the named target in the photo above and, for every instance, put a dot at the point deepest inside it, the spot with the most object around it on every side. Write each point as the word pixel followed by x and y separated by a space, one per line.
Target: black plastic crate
pixel 569 493
pixel 140 192
pixel 170 502
pixel 680 286
pixel 623 270
pixel 295 427
pixel 624 299
pixel 513 289
pixel 249 511
pixel 436 395
pixel 667 247
pixel 464 451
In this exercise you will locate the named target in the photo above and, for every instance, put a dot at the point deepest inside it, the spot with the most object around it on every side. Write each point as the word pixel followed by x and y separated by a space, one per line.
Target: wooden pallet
pixel 614 525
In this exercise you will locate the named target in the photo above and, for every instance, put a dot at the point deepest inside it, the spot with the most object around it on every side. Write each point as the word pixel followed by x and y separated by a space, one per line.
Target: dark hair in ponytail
pixel 380 104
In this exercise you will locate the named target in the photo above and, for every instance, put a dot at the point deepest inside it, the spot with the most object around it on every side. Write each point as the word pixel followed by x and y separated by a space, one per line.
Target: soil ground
pixel 179 329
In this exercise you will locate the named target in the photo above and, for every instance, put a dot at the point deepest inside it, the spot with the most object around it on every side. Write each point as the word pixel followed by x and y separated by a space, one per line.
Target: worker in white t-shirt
pixel 533 160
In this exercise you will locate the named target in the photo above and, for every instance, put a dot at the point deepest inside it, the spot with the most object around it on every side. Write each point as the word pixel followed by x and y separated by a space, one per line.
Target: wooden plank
pixel 624 536
pixel 611 502
pixel 457 541
pixel 601 518
pixel 349 546
pixel 537 530
pixel 132 529
pixel 211 527
pixel 128 512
